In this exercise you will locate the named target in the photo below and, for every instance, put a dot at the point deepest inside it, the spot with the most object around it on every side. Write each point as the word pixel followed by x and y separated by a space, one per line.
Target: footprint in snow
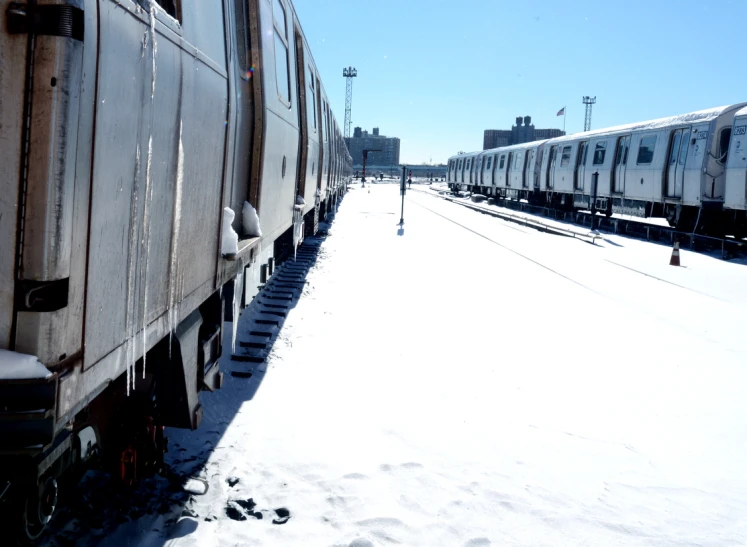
pixel 478 542
pixel 354 476
pixel 241 509
pixel 283 516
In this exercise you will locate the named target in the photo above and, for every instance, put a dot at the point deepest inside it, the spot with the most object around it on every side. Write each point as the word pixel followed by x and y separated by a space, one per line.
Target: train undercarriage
pixel 709 220
pixel 120 431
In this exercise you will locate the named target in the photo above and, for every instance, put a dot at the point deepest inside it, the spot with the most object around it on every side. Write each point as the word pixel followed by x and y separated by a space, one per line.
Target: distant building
pixel 523 131
pixel 494 138
pixel 384 150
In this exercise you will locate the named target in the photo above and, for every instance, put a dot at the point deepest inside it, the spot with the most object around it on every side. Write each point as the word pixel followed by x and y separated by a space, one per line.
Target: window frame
pixel 647 147
pixel 723 155
pixel 312 83
pixel 565 161
pixel 602 149
pixel 286 42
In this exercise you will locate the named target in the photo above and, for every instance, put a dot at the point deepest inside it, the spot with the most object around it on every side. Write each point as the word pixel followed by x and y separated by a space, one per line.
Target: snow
pixel 250 221
pixel 20 366
pixel 229 237
pixel 467 381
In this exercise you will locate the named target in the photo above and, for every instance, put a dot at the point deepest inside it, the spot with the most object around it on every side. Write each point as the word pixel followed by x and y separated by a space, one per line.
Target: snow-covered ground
pixel 468 381
pixel 654 221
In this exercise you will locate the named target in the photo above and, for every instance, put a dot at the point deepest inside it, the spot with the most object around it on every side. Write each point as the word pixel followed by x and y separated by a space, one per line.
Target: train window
pixel 281 51
pixel 646 150
pixel 675 147
pixel 488 164
pixel 599 152
pixel 466 166
pixel 683 150
pixel 242 39
pixel 311 101
pixel 582 153
pixel 503 161
pixel 622 151
pixel 565 159
pixel 723 144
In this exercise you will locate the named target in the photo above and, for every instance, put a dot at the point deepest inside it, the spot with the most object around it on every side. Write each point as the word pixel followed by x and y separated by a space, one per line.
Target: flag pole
pixel 565 113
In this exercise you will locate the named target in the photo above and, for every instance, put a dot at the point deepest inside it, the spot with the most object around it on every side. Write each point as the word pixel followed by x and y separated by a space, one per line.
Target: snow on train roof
pixel 741 112
pixel 660 123
pixel 522 146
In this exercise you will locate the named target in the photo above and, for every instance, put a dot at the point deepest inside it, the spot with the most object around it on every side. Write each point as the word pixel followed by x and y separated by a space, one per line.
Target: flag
pixel 561 112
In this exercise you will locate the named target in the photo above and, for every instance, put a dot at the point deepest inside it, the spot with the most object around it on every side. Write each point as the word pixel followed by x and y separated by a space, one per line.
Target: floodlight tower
pixel 348 73
pixel 588 101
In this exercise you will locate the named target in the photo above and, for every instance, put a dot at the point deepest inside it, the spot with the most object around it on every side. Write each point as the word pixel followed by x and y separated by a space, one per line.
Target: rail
pixel 727 247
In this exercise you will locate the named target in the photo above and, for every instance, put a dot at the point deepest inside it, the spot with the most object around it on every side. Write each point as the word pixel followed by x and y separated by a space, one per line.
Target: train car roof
pixel 513 147
pixel 660 123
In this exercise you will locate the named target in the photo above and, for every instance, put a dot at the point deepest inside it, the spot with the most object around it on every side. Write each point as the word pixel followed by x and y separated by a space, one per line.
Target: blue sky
pixel 436 73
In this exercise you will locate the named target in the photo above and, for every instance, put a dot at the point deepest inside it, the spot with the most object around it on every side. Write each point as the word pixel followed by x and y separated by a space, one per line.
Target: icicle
pixel 132 250
pixel 152 12
pixel 297 223
pixel 173 278
pixel 146 245
pixel 238 289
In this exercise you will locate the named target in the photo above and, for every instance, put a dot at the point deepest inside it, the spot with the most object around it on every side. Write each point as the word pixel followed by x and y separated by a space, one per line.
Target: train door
pixel 678 148
pixel 551 167
pixel 477 170
pixel 320 165
pixel 578 175
pixel 621 160
pixel 538 167
pixel 509 161
pixel 486 168
pixel 527 166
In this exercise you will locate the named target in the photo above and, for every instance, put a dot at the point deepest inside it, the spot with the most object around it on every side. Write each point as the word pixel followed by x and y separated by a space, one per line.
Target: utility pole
pixel 588 101
pixel 348 73
pixel 365 159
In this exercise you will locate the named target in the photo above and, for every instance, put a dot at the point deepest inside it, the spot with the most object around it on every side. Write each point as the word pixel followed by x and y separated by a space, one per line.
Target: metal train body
pixel 126 127
pixel 680 168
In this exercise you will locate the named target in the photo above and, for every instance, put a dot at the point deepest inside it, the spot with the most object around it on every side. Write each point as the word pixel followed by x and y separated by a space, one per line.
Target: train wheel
pixel 38 509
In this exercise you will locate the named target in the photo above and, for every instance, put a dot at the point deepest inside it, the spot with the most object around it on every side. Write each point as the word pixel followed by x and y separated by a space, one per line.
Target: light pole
pixel 402 190
pixel 348 73
pixel 589 102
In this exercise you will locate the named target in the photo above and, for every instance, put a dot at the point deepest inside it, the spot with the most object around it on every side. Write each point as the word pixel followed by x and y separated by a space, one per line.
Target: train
pixel 134 135
pixel 689 169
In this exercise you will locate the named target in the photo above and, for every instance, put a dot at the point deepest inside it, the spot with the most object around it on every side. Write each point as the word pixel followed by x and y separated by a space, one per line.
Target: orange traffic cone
pixel 675 260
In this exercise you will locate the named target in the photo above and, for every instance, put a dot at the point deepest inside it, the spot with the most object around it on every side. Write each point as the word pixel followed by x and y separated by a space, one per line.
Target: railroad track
pixel 726 247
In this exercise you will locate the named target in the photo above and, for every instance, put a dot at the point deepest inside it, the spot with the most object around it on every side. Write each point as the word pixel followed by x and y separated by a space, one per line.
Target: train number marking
pixel 702 135
pixel 740 130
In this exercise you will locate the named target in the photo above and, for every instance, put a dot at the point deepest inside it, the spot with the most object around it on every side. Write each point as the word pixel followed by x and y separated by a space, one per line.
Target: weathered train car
pixel 672 167
pixel 127 127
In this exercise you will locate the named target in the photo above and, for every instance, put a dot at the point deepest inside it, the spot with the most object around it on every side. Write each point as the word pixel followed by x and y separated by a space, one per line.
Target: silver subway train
pixel 689 169
pixel 127 128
